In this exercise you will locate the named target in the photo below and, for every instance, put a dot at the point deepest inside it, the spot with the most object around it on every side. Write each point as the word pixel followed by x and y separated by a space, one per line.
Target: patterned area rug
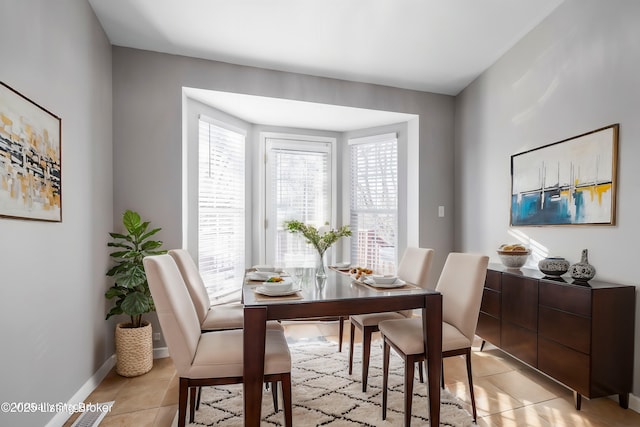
pixel 325 395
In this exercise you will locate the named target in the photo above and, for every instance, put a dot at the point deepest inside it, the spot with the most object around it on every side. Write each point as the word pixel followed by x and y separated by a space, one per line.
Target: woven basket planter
pixel 134 349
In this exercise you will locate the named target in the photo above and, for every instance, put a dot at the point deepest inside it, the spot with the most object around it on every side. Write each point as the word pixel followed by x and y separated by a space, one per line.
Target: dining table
pixel 336 295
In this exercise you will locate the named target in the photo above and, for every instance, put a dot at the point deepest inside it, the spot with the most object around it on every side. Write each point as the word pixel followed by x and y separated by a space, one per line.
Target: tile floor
pixel 508 393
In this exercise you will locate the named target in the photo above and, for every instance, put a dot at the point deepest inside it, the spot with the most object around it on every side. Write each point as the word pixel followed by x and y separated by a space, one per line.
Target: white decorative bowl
pixel 261 275
pixel 513 259
pixel 285 285
pixel 264 268
pixel 383 280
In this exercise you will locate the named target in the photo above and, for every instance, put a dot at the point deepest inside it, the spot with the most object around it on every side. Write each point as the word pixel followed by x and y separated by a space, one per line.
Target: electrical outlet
pixel 156 336
pixel 441 211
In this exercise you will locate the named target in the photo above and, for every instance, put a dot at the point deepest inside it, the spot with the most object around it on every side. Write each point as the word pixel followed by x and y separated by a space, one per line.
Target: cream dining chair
pixel 207 358
pixel 413 268
pixel 212 317
pixel 461 283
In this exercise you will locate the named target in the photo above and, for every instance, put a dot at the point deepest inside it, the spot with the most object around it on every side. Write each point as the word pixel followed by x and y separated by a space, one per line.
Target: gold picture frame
pixel 570 182
pixel 30 159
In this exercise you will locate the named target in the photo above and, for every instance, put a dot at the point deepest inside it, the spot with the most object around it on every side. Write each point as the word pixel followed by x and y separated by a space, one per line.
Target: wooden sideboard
pixel 579 334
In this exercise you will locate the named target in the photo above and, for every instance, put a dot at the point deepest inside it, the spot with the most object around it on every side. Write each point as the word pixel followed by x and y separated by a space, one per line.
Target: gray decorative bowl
pixel 553 266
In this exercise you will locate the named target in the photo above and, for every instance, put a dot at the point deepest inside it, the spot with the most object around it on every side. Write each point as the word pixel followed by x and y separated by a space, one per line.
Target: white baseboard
pixel 92 383
pixel 634 402
pixel 160 353
pixel 60 418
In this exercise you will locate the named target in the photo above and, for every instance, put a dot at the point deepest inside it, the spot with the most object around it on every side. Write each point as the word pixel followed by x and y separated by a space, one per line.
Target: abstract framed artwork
pixel 30 159
pixel 570 182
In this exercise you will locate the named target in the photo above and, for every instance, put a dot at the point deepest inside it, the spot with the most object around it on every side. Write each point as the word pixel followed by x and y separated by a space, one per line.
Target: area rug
pixel 324 394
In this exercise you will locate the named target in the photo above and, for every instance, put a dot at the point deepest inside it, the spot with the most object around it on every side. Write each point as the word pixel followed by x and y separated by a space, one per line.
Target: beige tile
pixel 489 398
pixel 493 361
pixel 163 369
pixel 521 417
pixel 522 387
pixel 141 395
pixel 602 412
pixel 165 416
pixel 171 395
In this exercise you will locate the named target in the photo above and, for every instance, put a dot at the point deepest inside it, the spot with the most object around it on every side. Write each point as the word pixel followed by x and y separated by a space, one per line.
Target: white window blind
pixel 298 188
pixel 221 208
pixel 374 202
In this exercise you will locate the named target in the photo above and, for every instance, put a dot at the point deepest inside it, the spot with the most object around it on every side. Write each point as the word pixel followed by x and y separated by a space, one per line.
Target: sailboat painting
pixel 570 182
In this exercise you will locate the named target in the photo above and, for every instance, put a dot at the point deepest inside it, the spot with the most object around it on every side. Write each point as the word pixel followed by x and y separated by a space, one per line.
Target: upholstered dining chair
pixel 207 358
pixel 460 283
pixel 212 317
pixel 413 268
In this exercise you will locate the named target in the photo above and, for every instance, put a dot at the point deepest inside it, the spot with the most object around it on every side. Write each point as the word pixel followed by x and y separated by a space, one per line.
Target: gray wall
pixel 52 306
pixel 148 131
pixel 576 72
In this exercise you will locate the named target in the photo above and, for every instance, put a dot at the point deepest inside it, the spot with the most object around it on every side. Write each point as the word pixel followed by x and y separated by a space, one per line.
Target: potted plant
pixel 321 239
pixel 133 340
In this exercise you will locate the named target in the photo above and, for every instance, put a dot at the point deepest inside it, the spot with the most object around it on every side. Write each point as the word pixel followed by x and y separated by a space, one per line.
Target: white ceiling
pixel 435 46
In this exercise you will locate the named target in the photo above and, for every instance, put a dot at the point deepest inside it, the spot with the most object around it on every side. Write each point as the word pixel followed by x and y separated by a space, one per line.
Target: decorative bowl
pixel 285 285
pixel 264 268
pixel 383 280
pixel 553 266
pixel 261 275
pixel 513 259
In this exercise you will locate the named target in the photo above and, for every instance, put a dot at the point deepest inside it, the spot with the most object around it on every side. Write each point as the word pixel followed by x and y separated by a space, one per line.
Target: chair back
pixel 414 266
pixel 193 280
pixel 175 310
pixel 461 283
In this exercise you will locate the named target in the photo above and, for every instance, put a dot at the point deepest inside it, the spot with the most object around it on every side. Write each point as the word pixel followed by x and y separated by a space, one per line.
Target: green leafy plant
pixel 130 288
pixel 321 242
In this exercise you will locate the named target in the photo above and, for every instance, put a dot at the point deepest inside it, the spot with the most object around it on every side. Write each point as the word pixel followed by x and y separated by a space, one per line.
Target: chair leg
pixel 192 402
pixel 366 354
pixel 421 372
pixel 470 376
pixel 274 393
pixel 341 331
pixel 183 392
pixel 198 399
pixel 482 345
pixel 409 372
pixel 442 375
pixel 286 400
pixel 351 339
pixel 385 376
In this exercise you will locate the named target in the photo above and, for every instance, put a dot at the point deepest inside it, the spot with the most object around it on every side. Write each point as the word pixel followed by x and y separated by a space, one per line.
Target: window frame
pixel 296 140
pixel 407 207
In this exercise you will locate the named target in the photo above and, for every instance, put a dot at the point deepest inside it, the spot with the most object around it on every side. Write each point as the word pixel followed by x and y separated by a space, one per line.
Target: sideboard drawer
pixel 565 328
pixel 520 301
pixel 573 299
pixel 568 366
pixel 520 342
pixel 491 302
pixel 493 280
pixel 488 329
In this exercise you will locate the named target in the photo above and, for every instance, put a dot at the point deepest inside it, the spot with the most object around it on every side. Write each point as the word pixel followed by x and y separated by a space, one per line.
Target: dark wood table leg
pixel 432 327
pixel 255 326
pixel 577 398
